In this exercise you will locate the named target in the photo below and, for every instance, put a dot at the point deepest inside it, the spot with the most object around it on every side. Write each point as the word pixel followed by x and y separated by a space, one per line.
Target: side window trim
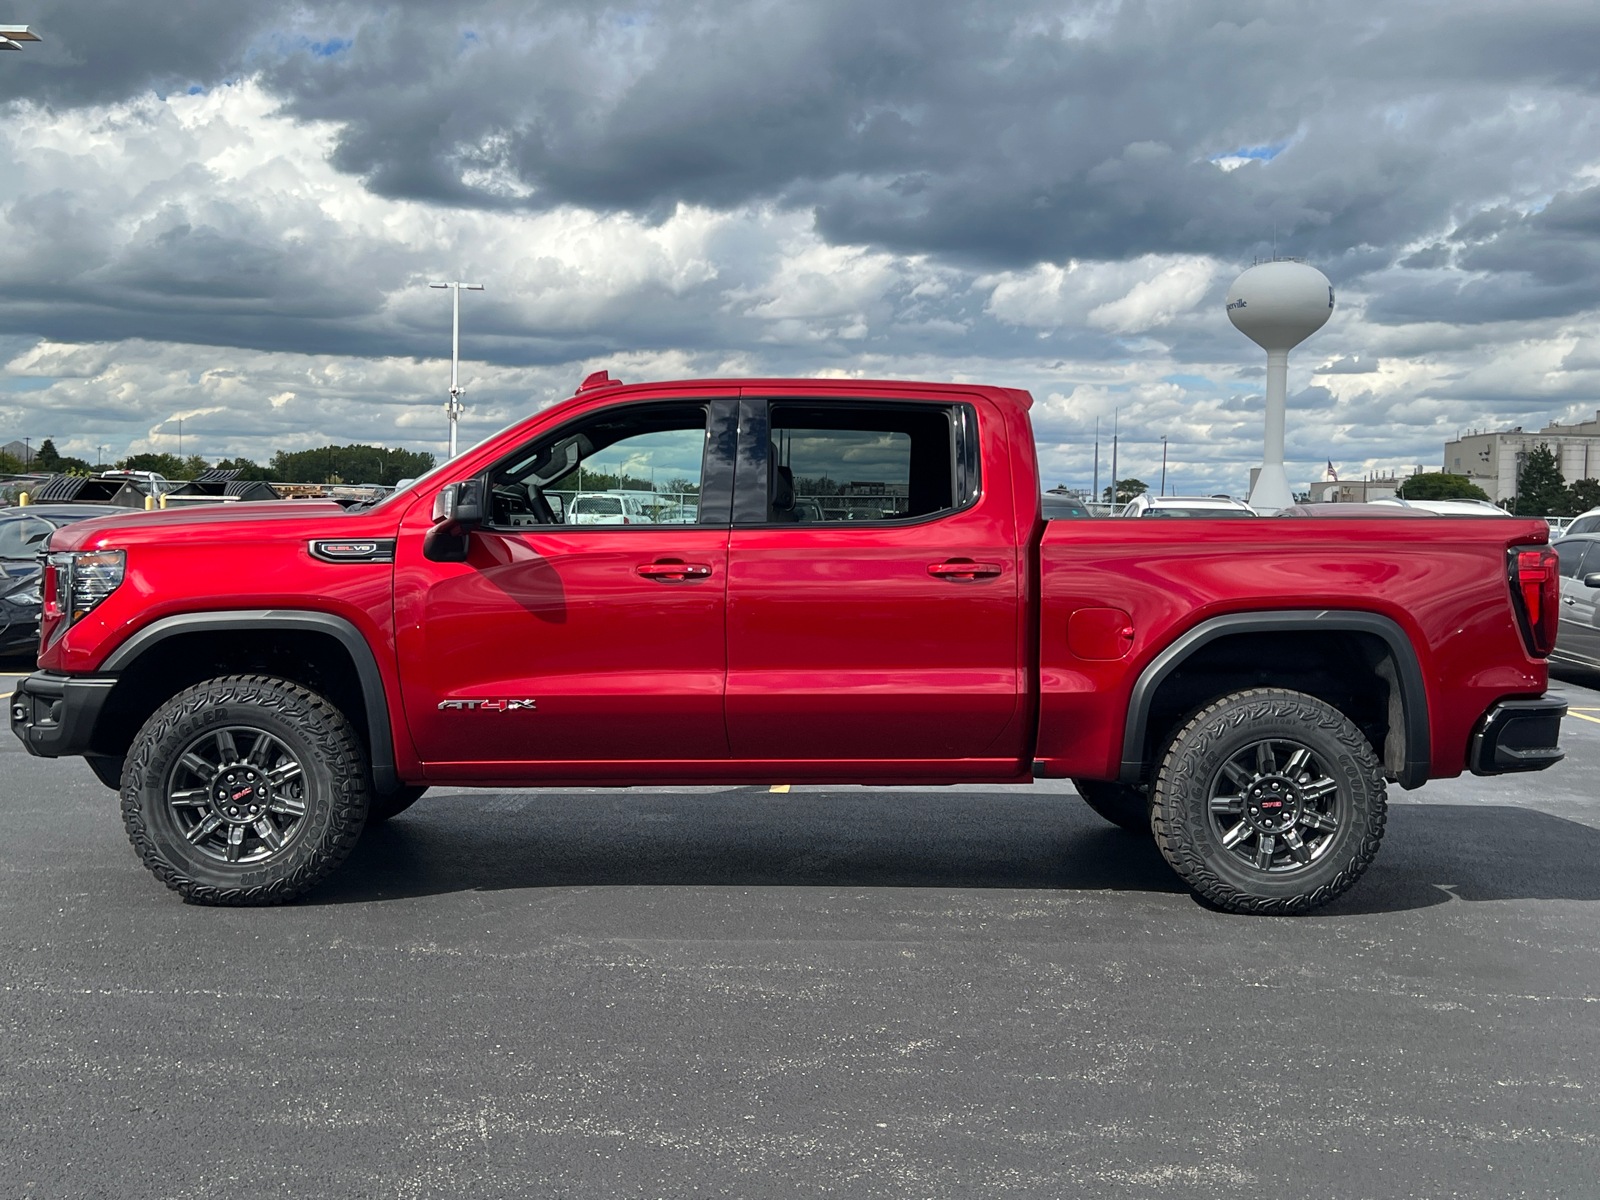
pixel 755 433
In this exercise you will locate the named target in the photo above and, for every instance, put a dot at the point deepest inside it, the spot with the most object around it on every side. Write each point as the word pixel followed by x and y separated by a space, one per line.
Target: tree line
pixel 354 463
pixel 1542 491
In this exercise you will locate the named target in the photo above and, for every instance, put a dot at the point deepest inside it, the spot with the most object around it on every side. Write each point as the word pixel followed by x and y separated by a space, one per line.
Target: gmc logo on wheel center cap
pixel 487 705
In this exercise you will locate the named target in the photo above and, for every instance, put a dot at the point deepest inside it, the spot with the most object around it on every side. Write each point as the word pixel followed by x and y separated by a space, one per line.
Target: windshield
pixel 1198 512
pixel 23 537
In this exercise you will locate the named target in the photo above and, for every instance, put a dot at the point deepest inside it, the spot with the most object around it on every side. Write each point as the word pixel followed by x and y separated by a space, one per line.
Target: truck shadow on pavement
pixel 1433 854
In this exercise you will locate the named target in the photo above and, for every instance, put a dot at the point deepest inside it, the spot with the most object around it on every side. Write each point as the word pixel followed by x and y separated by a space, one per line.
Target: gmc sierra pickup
pixel 813 581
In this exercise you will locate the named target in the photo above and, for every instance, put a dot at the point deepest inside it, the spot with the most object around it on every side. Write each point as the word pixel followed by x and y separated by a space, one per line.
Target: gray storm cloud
pixel 1049 195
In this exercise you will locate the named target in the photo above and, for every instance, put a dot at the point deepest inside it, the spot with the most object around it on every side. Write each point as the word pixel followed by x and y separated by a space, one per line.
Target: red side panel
pixel 1445 587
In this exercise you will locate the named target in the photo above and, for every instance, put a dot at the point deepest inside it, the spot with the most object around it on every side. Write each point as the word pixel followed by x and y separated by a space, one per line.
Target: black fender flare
pixel 1408 675
pixel 381 749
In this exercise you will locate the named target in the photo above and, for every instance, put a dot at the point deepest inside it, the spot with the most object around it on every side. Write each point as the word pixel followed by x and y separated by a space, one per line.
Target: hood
pixel 269 519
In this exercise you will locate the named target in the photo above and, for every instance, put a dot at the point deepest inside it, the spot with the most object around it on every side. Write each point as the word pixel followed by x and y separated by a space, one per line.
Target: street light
pixel 454 406
pixel 12 36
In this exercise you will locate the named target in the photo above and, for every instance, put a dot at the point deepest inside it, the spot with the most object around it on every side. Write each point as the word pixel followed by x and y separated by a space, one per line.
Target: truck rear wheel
pixel 1124 806
pixel 244 790
pixel 1269 801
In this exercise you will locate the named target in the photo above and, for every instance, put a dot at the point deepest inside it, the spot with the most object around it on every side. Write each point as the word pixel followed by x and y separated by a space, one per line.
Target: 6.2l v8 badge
pixel 487 705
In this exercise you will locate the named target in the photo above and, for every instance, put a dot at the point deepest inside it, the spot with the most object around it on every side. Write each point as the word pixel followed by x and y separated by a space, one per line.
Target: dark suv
pixel 23 534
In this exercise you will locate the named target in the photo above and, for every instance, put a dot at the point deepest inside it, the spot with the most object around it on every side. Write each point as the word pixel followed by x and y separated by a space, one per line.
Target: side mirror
pixel 1592 579
pixel 444 504
pixel 457 511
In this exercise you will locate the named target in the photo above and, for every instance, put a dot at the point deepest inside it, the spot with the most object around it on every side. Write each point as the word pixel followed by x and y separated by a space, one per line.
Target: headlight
pixel 74 584
pixel 28 596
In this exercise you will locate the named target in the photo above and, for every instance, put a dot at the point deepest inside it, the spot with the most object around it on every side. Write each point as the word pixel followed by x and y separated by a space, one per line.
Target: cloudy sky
pixel 230 213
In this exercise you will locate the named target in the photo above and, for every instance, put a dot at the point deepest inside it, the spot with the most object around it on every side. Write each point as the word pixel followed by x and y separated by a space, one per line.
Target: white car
pixel 1449 508
pixel 607 508
pixel 1187 506
pixel 1584 522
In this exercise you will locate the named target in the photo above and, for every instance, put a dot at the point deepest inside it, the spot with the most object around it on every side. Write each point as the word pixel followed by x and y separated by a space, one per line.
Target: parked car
pixel 1187 506
pixel 1448 508
pixel 1060 508
pixel 607 508
pixel 24 533
pixel 1353 509
pixel 1584 522
pixel 261 681
pixel 1578 637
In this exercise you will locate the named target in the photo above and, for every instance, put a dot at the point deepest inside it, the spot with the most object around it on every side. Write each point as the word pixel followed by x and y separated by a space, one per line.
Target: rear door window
pixel 1571 557
pixel 868 462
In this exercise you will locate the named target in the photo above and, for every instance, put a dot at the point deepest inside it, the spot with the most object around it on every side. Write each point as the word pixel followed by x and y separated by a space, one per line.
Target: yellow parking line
pixel 1581 717
pixel 784 787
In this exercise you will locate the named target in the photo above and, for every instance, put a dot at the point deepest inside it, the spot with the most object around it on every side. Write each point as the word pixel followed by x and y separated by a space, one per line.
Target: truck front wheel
pixel 244 790
pixel 1269 801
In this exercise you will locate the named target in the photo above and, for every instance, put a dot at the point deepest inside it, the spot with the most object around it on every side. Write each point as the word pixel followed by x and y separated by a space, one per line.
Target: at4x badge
pixel 488 705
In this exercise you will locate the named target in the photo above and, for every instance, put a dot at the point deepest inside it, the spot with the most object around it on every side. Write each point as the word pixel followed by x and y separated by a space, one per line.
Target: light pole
pixel 12 36
pixel 1163 464
pixel 453 408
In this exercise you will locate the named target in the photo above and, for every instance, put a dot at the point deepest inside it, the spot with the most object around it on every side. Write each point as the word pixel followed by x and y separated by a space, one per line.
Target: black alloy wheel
pixel 245 790
pixel 1274 805
pixel 237 794
pixel 1269 801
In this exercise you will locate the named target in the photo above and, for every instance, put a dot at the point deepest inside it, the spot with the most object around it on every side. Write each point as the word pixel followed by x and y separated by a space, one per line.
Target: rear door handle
pixel 673 571
pixel 963 570
pixel 1569 600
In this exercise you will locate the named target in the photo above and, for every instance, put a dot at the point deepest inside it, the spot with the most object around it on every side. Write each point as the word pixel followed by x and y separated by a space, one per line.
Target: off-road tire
pixel 336 789
pixel 393 804
pixel 1182 803
pixel 1124 806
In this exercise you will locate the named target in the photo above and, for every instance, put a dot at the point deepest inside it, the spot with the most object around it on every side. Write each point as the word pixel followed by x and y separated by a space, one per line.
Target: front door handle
pixel 963 570
pixel 674 570
pixel 1569 600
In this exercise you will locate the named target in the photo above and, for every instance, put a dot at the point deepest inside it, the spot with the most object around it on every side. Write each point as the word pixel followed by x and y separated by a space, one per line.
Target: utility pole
pixel 1116 424
pixel 1163 464
pixel 1095 494
pixel 453 407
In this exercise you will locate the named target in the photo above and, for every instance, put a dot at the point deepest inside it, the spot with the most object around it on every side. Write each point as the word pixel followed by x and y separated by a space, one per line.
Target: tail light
pixel 1536 593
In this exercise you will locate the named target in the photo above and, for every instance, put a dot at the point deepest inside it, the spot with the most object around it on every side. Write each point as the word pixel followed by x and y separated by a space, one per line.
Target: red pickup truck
pixel 811 581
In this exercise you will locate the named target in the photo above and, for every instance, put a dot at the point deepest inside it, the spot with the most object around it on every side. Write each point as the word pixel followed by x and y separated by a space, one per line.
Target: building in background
pixel 1382 486
pixel 1491 460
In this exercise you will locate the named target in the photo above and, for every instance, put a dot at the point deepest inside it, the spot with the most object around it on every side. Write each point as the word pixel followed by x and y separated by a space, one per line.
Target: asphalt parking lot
pixel 843 992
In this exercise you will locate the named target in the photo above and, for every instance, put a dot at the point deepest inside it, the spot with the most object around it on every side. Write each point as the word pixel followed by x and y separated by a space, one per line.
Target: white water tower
pixel 1278 305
